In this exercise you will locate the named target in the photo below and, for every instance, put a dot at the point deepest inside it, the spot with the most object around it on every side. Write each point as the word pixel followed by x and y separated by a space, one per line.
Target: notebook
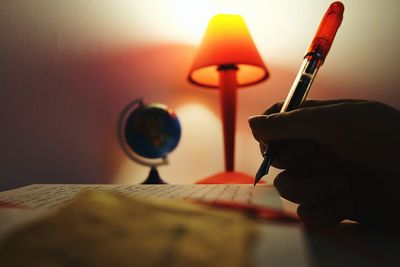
pixel 48 196
pixel 22 205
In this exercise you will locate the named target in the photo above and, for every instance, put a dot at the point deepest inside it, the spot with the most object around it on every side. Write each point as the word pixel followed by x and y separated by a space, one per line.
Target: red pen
pixel 259 213
pixel 313 60
pixel 7 204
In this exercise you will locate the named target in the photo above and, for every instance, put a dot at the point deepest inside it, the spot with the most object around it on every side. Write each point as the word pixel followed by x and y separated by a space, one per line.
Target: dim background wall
pixel 67 69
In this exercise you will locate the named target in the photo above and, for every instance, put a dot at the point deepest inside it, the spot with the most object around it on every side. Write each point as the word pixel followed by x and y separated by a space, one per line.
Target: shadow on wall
pixel 59 110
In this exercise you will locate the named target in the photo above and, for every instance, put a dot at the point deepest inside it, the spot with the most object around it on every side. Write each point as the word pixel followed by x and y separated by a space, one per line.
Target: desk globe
pixel 147 133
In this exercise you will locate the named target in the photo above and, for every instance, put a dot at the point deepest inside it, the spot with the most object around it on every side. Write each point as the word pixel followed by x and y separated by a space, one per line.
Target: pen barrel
pixel 295 98
pixel 301 85
pixel 313 59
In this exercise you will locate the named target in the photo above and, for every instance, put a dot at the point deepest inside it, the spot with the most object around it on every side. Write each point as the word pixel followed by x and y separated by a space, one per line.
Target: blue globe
pixel 152 131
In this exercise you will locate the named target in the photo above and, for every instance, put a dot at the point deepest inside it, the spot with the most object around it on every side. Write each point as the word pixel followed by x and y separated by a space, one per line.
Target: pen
pixel 260 213
pixel 313 60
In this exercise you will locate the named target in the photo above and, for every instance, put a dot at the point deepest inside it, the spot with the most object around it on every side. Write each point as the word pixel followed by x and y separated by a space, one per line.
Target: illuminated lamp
pixel 227 59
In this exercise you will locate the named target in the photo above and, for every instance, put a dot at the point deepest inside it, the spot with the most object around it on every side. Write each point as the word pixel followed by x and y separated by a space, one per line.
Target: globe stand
pixel 154 177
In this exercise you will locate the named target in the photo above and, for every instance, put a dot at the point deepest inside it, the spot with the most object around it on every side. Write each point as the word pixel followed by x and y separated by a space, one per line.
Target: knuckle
pixel 302 211
pixel 273 108
pixel 285 188
pixel 278 182
pixel 307 214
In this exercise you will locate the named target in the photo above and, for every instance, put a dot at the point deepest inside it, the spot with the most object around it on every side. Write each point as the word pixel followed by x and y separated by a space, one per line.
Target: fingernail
pixel 257 121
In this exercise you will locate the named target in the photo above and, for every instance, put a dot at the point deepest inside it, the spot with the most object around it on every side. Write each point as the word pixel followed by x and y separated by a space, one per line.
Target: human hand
pixel 340 159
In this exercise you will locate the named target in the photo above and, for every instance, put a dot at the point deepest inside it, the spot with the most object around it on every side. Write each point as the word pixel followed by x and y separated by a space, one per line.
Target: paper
pixel 104 229
pixel 11 219
pixel 47 196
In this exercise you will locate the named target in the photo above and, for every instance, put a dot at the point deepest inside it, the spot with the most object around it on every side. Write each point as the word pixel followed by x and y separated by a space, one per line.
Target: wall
pixel 67 69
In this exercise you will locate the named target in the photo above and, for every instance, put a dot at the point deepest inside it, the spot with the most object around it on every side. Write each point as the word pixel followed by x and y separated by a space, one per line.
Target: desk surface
pixel 348 244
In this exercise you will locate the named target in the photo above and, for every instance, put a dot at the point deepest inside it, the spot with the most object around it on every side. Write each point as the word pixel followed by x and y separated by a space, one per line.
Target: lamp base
pixel 228 178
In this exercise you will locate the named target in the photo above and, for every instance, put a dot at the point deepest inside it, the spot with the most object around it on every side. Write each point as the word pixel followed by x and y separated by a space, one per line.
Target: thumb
pixel 307 123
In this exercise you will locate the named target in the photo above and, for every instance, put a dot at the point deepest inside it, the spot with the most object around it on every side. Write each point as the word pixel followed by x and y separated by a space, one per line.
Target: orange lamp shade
pixel 227 41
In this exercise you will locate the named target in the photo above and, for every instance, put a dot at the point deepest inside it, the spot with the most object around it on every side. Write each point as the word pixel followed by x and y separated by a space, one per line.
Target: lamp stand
pixel 228 99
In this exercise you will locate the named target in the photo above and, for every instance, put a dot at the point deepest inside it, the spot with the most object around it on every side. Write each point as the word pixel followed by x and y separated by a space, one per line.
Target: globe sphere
pixel 152 131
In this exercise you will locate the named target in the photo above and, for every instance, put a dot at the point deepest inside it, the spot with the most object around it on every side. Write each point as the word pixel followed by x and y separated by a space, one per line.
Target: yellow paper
pixel 103 229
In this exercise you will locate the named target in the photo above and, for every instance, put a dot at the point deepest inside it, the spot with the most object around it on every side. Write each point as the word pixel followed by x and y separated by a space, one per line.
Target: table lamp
pixel 227 59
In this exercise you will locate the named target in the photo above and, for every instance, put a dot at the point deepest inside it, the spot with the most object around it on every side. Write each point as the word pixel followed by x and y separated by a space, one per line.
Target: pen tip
pixel 263 170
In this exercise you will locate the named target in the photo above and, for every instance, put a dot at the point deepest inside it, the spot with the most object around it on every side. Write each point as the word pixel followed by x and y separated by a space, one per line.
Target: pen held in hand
pixel 268 156
pixel 313 60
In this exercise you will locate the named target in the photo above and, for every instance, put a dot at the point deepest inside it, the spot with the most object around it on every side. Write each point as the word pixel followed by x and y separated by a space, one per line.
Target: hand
pixel 341 159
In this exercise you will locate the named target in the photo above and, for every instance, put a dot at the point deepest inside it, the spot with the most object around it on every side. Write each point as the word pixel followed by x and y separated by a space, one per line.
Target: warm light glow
pixel 183 20
pixel 281 30
pixel 272 26
pixel 191 16
pixel 195 117
pixel 200 147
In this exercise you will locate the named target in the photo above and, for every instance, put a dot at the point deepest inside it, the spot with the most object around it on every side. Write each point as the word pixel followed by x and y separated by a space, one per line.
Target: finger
pixel 326 214
pixel 275 108
pixel 305 154
pixel 326 102
pixel 302 188
pixel 314 123
pixel 292 153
